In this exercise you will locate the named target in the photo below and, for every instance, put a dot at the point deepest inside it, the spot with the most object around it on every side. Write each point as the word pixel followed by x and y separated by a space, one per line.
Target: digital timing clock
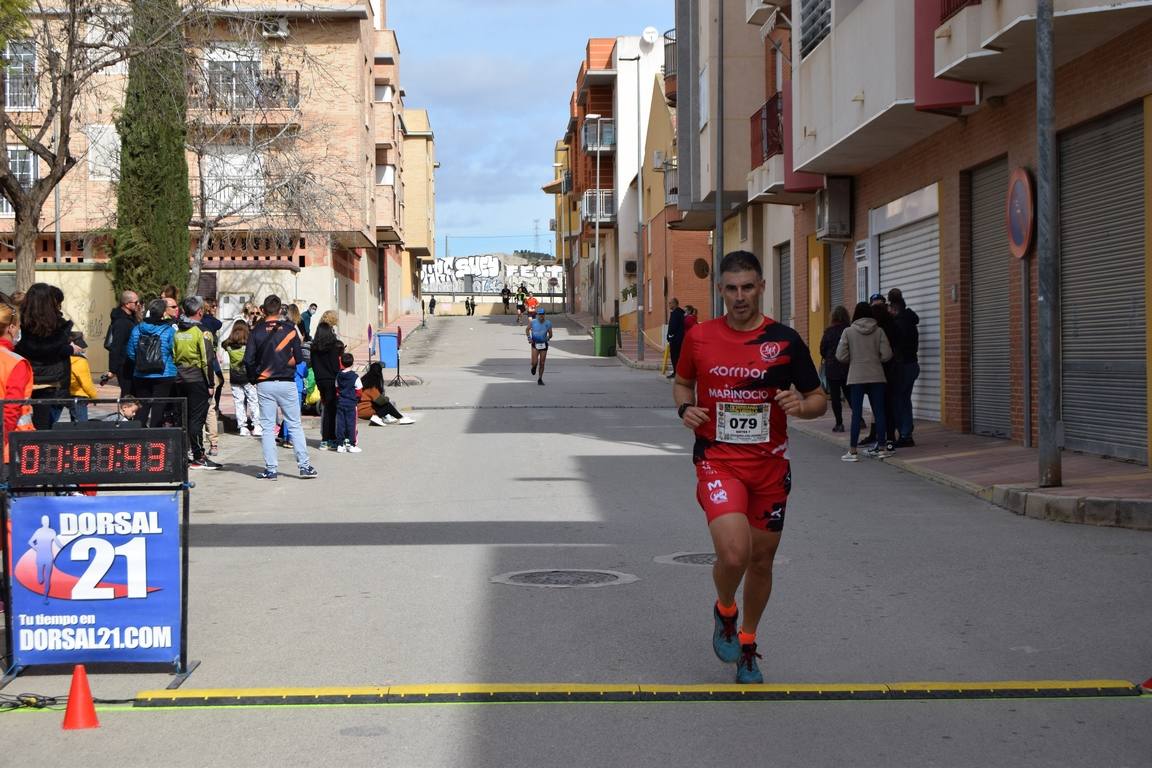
pixel 113 456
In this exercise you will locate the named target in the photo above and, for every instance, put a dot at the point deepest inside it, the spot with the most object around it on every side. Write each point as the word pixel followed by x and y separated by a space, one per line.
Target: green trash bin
pixel 604 340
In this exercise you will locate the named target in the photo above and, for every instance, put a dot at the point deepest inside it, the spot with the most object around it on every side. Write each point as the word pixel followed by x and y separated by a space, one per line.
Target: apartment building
pixel 597 166
pixel 895 148
pixel 420 204
pixel 293 124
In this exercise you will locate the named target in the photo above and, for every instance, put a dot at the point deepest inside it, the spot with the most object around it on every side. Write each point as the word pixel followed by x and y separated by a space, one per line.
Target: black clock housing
pixel 111 456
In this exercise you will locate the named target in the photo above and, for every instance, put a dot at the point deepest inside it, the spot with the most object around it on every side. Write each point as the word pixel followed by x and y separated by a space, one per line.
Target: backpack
pixel 149 354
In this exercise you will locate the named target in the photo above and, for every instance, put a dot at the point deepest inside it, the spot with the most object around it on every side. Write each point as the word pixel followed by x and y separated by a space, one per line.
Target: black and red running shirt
pixel 747 367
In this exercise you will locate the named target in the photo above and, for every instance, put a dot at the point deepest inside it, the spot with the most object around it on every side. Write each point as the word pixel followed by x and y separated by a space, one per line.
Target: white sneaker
pixel 390 419
pixel 405 420
pixel 257 431
pixel 245 432
pixel 341 449
pixel 374 419
pixel 353 449
pixel 850 457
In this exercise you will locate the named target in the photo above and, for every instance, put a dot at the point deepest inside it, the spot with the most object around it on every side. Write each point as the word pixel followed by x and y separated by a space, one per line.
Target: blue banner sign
pixel 95 579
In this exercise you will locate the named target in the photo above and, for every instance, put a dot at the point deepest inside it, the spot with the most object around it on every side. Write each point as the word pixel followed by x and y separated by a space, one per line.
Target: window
pixel 386 175
pixel 23 164
pixel 103 152
pixel 20 75
pixel 233 181
pixel 815 24
pixel 233 73
pixel 382 93
pixel 107 35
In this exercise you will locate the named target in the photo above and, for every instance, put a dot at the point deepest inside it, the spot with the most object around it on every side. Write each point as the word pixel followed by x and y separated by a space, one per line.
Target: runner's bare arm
pixel 803 405
pixel 684 393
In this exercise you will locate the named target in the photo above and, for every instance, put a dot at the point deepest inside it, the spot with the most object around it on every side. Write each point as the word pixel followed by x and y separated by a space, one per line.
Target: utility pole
pixel 1047 255
pixel 718 172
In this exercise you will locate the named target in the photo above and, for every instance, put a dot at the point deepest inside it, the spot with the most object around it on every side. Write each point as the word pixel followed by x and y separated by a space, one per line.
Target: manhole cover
pixel 688 558
pixel 564 577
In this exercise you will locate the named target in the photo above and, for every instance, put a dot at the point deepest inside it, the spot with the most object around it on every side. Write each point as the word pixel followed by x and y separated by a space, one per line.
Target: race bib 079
pixel 742 422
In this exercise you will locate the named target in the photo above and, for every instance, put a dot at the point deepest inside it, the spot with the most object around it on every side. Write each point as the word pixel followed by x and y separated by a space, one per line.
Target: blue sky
pixel 495 76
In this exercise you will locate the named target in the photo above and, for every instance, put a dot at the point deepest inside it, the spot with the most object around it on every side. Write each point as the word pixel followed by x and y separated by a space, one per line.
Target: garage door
pixel 991 259
pixel 910 261
pixel 784 294
pixel 1104 368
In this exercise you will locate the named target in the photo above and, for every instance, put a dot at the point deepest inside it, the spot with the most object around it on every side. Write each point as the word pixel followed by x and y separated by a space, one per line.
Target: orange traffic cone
pixel 81 712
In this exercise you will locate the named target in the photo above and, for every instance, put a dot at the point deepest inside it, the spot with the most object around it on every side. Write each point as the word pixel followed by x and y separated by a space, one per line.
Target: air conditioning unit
pixel 630 267
pixel 657 160
pixel 860 251
pixel 274 28
pixel 834 209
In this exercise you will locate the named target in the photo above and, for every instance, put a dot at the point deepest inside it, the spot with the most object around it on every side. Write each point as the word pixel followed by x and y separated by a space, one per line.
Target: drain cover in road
pixel 688 558
pixel 564 577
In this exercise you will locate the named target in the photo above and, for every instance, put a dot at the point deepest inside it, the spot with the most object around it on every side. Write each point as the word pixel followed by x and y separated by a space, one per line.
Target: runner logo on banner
pixel 95 579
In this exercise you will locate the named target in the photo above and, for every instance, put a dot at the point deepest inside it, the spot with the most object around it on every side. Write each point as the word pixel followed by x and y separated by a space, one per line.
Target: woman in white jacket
pixel 865 348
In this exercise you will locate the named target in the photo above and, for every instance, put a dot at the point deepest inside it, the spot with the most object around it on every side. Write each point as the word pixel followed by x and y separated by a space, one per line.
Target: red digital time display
pixel 95 456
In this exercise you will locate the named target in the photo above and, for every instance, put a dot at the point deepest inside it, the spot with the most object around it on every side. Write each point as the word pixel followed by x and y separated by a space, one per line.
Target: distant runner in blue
pixel 47 544
pixel 539 333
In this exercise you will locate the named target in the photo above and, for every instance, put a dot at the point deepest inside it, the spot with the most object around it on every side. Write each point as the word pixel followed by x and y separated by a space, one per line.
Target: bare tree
pixel 258 166
pixel 49 84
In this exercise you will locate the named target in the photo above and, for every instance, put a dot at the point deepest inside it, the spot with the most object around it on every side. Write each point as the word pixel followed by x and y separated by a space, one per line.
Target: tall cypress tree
pixel 154 204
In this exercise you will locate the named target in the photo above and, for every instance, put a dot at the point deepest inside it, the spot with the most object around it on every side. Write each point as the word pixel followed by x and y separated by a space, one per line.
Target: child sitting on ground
pixel 348 388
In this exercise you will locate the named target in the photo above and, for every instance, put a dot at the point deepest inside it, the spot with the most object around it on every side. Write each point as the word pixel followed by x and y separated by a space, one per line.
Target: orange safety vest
pixel 9 362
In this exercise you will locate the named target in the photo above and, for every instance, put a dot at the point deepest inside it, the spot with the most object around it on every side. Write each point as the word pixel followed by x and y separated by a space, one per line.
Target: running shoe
pixel 376 420
pixel 309 471
pixel 838 428
pixel 533 370
pixel 850 457
pixel 405 420
pixel 204 463
pixel 245 432
pixel 390 419
pixel 268 474
pixel 725 642
pixel 881 451
pixel 327 445
pixel 341 449
pixel 747 670
pixel 214 450
pixel 540 382
pixel 353 449
pixel 257 431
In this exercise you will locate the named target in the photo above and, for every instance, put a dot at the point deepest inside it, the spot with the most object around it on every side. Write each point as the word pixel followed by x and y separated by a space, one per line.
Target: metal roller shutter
pixel 910 261
pixel 991 344
pixel 784 256
pixel 836 275
pixel 1104 368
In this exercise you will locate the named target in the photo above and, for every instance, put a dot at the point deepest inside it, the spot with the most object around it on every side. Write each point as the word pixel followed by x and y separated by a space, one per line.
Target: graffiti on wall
pixel 488 275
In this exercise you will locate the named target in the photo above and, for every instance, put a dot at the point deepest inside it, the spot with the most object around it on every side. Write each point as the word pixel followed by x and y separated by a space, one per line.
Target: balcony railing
pixel 604 140
pixel 767 131
pixel 240 89
pixel 949 8
pixel 598 205
pixel 671 185
pixel 670 53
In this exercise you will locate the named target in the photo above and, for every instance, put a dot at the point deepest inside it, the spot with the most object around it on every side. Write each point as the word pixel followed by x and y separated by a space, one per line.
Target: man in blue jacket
pixel 270 360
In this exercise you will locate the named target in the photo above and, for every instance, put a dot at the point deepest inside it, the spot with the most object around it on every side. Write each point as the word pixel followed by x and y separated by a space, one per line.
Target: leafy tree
pixel 154 204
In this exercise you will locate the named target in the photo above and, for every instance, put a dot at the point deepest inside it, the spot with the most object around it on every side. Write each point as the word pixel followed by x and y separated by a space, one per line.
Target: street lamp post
pixel 596 224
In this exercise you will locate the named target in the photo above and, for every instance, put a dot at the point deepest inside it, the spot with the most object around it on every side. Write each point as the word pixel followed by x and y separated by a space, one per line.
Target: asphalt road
pixel 380 573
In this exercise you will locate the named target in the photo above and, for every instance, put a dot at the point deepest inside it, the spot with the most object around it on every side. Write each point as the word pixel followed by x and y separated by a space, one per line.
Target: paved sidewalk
pixel 1096 491
pixel 626 346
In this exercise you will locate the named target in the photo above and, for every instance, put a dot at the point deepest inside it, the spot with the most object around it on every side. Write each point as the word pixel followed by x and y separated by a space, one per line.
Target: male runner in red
pixel 739 379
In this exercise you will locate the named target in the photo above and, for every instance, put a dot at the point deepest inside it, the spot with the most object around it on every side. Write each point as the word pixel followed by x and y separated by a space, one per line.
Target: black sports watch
pixel 683 407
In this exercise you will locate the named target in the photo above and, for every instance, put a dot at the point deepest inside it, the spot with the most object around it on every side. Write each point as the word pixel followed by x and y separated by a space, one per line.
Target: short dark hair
pixel 897 300
pixel 156 309
pixel 346 359
pixel 741 261
pixel 863 310
pixel 271 306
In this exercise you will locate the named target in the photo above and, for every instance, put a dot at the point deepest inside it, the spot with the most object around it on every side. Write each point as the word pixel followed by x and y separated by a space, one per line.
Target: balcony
pixel 236 89
pixel 670 67
pixel 671 185
pixel 855 98
pixel 949 8
pixel 598 205
pixel 994 44
pixel 766 131
pixel 599 140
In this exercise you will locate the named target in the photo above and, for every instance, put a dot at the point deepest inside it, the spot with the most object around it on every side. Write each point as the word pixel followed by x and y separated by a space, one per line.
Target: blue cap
pixel 540 311
pixel 877 297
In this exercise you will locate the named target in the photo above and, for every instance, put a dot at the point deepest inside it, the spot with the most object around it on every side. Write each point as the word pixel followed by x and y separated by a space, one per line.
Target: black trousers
pixel 674 346
pixel 42 415
pixel 328 411
pixel 197 394
pixel 144 388
pixel 387 410
pixel 837 389
pixel 125 377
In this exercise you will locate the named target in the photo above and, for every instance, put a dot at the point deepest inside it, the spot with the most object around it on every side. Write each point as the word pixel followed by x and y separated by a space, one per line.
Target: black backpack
pixel 149 354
